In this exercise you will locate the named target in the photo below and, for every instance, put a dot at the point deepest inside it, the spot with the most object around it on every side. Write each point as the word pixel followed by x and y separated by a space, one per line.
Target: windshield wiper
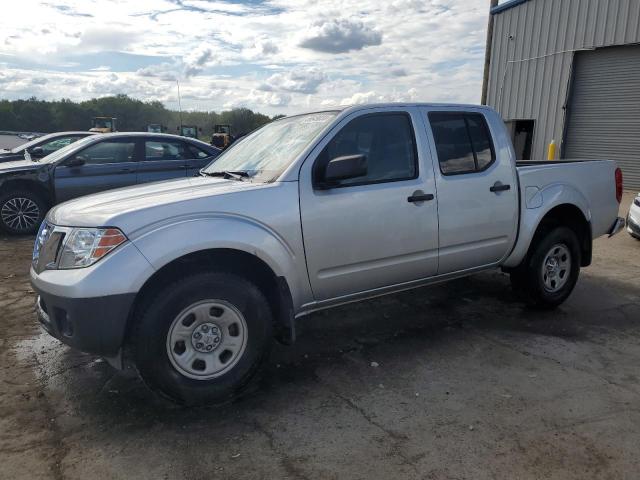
pixel 236 175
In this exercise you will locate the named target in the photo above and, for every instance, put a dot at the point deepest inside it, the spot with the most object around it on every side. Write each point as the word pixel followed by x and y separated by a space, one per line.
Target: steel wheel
pixel 20 213
pixel 556 268
pixel 207 339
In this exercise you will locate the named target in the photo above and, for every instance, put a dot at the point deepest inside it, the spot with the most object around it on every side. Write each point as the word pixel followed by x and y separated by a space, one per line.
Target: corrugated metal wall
pixel 532 56
pixel 604 109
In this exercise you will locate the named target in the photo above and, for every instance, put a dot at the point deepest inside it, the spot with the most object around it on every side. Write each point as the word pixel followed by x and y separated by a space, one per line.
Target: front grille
pixel 47 247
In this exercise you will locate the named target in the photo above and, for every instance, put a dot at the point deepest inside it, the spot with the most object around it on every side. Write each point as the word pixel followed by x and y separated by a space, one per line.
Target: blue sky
pixel 274 56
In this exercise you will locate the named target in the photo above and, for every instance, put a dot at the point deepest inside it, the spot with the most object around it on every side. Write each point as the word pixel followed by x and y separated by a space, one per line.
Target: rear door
pixel 163 159
pixel 109 163
pixel 477 189
pixel 199 158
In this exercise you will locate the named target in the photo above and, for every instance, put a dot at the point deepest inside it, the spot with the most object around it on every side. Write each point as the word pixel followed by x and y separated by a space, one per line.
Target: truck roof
pixel 366 106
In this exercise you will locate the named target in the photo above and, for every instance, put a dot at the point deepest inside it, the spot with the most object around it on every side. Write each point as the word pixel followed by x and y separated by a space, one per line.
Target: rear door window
pixel 463 142
pixel 198 153
pixel 165 150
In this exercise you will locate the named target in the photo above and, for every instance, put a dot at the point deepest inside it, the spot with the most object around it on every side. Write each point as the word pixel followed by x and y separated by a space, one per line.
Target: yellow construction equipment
pixel 103 125
pixel 222 137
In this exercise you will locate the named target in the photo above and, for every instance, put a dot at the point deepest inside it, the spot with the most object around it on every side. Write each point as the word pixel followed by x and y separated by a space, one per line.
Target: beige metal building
pixel 569 71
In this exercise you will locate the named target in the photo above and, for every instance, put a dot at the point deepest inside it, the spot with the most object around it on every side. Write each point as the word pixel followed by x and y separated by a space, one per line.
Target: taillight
pixel 618 185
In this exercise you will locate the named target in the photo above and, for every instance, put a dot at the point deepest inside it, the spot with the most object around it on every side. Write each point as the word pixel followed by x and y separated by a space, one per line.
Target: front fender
pixel 166 242
pixel 533 209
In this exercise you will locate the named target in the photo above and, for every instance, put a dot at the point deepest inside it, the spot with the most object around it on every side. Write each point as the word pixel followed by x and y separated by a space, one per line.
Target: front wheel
pixel 21 212
pixel 550 272
pixel 202 338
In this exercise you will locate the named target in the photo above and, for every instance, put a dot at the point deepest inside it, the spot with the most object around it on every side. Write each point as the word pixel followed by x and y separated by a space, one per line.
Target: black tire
pixel 151 337
pixel 21 212
pixel 529 280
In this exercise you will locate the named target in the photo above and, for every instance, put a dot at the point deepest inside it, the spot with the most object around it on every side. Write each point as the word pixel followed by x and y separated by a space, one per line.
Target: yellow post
pixel 551 153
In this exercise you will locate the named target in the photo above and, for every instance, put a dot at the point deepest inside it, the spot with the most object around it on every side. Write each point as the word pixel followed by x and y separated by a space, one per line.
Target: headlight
pixel 637 200
pixel 85 246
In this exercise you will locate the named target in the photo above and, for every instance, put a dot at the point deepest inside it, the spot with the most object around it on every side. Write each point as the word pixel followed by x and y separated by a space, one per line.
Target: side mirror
pixel 37 151
pixel 343 168
pixel 76 161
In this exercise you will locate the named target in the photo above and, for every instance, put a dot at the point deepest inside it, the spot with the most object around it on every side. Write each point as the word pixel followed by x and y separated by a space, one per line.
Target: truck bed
pixel 583 177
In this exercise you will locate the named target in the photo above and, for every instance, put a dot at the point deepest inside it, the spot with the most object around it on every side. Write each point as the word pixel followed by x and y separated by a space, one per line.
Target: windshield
pixel 58 154
pixel 31 143
pixel 267 152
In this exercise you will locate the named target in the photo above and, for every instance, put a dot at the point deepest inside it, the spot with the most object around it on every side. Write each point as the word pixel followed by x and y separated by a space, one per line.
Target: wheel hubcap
pixel 20 213
pixel 556 268
pixel 207 339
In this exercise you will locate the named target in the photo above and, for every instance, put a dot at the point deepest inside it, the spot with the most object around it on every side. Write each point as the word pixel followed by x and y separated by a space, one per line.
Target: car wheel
pixel 21 212
pixel 201 339
pixel 550 272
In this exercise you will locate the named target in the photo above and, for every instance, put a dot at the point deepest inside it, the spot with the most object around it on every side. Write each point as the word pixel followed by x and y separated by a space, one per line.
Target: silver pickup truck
pixel 192 279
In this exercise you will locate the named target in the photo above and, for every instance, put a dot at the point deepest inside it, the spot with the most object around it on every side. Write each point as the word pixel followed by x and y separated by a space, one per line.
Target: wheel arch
pixel 229 260
pixel 560 203
pixel 33 185
pixel 564 214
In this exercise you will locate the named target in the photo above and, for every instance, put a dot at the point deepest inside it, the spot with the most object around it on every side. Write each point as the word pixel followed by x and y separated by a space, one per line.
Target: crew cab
pixel 95 163
pixel 191 279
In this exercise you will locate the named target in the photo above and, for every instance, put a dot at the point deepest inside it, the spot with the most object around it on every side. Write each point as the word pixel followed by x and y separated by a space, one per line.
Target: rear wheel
pixel 203 338
pixel 550 272
pixel 21 212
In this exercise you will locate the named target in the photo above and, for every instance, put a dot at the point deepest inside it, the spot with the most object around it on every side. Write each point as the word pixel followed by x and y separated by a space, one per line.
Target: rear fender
pixel 534 209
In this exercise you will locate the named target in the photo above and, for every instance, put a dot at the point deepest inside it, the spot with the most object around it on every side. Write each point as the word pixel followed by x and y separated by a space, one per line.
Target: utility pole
pixel 179 103
pixel 487 53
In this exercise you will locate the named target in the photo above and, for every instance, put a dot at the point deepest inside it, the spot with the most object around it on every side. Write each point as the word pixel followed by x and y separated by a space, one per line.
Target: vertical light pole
pixel 487 54
pixel 179 104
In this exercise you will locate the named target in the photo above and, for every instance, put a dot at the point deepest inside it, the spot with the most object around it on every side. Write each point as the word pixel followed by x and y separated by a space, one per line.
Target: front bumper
pixel 633 226
pixel 93 325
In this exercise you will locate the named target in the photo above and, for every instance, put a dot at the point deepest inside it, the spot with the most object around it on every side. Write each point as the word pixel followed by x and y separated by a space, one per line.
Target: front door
pixel 477 190
pixel 378 230
pixel 105 165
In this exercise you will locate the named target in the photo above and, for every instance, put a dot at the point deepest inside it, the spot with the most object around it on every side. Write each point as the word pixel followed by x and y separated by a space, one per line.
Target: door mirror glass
pixel 37 151
pixel 344 168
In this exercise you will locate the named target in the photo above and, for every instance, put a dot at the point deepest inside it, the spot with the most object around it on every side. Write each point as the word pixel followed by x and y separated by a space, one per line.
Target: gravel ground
pixel 456 381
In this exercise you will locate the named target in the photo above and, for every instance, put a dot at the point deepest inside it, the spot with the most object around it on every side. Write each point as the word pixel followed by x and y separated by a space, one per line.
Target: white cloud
pixel 99 39
pixel 197 60
pixel 275 56
pixel 340 35
pixel 298 81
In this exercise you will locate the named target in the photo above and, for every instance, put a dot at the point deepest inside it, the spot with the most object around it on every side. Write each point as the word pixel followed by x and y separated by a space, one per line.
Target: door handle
pixel 499 187
pixel 126 170
pixel 419 196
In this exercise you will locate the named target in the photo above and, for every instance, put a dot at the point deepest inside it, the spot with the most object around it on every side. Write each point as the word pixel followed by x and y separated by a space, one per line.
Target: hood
pixel 135 207
pixel 17 165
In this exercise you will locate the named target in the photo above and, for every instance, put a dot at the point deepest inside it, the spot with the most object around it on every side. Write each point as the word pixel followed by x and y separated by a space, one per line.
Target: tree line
pixel 33 115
